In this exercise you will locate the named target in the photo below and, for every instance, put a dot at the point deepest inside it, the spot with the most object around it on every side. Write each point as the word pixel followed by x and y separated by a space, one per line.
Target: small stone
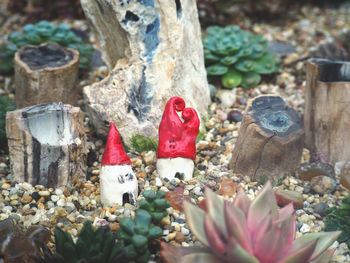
pixel 26 199
pixel 305 228
pixel 307 171
pixel 44 193
pixel 180 237
pixel 284 197
pixel 5 186
pixel 171 236
pixel 14 202
pixel 61 202
pixel 185 231
pixel 323 184
pixel 321 209
pixel 165 221
pixel 197 191
pixel 114 227
pixel 227 97
pixel 234 116
pixel 159 182
pixel 35 196
pixel 227 187
pixel 58 192
pixel 54 198
pixel 149 157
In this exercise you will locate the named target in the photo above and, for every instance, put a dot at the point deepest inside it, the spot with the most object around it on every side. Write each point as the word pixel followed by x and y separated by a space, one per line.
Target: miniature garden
pixel 174 131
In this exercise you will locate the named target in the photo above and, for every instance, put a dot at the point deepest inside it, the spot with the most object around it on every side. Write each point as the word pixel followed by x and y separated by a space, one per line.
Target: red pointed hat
pixel 114 153
pixel 177 138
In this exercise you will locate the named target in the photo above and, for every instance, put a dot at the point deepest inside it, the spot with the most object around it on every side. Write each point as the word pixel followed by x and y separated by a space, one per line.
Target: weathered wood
pixel 327 109
pixel 46 144
pixel 270 140
pixel 154 51
pixel 46 73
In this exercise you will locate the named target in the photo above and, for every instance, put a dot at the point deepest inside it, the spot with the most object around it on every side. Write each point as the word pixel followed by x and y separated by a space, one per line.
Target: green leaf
pixel 149 195
pixel 245 65
pixel 250 80
pixel 161 204
pixel 155 232
pixel 127 225
pixel 139 241
pixel 229 60
pixel 217 70
pixel 231 79
pixel 142 218
pixel 266 64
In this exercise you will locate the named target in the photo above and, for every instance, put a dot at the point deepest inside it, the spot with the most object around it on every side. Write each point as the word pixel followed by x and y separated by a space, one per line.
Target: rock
pixel 179 238
pixel 44 193
pixel 323 184
pixel 47 144
pixel 345 175
pixel 321 209
pixel 234 116
pixel 227 97
pixel 26 199
pixel 284 197
pixel 154 51
pixel 309 170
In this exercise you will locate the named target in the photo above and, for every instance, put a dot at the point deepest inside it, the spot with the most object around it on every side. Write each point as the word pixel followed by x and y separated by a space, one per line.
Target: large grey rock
pixel 155 50
pixel 47 144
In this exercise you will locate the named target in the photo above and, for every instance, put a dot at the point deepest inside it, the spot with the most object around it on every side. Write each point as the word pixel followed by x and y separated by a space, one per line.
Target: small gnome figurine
pixel 118 182
pixel 177 140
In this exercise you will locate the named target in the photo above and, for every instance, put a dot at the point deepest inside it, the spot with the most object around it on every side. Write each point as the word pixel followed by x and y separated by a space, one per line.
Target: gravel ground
pixel 69 207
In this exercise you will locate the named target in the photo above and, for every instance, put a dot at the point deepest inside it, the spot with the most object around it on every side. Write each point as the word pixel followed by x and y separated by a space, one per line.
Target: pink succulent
pixel 246 231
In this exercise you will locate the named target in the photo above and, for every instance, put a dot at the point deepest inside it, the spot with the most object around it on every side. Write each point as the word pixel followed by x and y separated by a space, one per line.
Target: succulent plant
pixel 236 56
pixel 92 246
pixel 26 247
pixel 6 104
pixel 155 204
pixel 39 33
pixel 338 218
pixel 138 235
pixel 248 231
pixel 142 143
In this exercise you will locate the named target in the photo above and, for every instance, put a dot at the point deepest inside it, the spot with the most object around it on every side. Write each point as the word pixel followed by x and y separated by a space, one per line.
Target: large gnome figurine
pixel 178 131
pixel 118 182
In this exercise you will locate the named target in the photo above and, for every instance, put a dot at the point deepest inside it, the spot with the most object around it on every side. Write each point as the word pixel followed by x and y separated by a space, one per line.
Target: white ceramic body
pixel 169 167
pixel 115 181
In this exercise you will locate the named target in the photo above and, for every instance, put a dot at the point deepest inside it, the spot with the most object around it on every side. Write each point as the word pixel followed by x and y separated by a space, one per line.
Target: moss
pixel 142 143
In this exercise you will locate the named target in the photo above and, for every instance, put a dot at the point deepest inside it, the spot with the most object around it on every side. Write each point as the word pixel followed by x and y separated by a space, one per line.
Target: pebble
pixel 185 231
pixel 44 193
pixel 321 209
pixel 323 184
pixel 55 198
pixel 234 116
pixel 305 228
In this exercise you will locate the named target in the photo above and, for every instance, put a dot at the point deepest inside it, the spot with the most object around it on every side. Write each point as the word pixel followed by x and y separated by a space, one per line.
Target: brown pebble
pixel 41 206
pixel 26 199
pixel 179 238
pixel 114 227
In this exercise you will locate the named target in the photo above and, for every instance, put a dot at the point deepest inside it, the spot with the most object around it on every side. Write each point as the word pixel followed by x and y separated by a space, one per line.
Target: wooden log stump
pixel 327 109
pixel 270 140
pixel 46 73
pixel 46 144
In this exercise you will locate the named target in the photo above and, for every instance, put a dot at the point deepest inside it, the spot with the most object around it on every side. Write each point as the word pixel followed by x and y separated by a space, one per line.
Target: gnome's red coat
pixel 177 138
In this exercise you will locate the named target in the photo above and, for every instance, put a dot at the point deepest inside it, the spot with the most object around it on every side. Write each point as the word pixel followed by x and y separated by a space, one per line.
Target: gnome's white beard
pixel 115 182
pixel 169 167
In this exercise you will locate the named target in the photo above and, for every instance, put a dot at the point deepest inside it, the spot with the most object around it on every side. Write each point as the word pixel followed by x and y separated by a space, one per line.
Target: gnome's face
pixel 118 185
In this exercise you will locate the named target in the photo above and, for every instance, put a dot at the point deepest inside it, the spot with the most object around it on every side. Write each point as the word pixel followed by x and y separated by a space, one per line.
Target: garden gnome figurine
pixel 178 131
pixel 118 182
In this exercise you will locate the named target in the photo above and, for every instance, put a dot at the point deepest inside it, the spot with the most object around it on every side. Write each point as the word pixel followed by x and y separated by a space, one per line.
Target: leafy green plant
pixel 6 104
pixel 155 204
pixel 237 57
pixel 141 143
pixel 42 32
pixel 338 218
pixel 26 247
pixel 138 234
pixel 248 231
pixel 92 246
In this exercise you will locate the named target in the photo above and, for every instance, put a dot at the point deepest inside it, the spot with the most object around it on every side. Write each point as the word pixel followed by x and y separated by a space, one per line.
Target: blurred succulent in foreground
pixel 246 231
pixel 6 104
pixel 338 218
pixel 238 57
pixel 138 236
pixel 39 33
pixel 92 246
pixel 26 247
pixel 155 204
